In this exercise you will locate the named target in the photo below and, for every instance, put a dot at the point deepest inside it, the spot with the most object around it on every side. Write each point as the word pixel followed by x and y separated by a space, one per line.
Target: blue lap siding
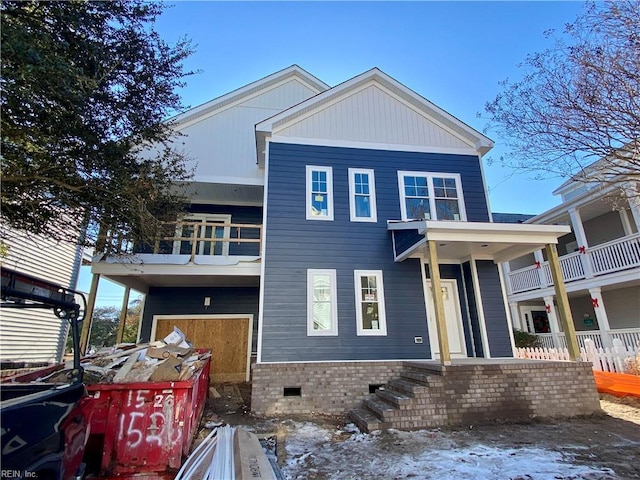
pixel 294 244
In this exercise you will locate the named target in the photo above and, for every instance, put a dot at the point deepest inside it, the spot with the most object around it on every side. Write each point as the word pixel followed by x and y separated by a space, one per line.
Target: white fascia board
pixel 418 103
pixel 372 146
pixel 252 89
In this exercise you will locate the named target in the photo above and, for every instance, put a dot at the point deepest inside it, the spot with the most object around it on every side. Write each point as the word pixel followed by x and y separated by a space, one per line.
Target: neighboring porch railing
pixel 630 338
pixel 196 238
pixel 602 259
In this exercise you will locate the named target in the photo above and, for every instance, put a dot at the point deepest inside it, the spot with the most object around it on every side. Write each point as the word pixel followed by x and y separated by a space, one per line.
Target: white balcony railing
pixel 630 338
pixel 602 259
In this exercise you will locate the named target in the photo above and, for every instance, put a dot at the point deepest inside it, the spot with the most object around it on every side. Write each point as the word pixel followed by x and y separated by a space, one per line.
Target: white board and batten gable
pixel 372 110
pixel 219 136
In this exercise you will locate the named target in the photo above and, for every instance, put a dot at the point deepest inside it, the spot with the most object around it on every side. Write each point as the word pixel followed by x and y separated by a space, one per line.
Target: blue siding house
pixel 323 219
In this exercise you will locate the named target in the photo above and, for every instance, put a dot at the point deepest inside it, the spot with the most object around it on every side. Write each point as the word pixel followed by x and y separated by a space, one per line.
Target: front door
pixel 453 317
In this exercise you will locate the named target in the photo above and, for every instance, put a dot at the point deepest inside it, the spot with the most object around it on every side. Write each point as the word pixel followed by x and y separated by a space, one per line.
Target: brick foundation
pixel 426 394
pixel 330 388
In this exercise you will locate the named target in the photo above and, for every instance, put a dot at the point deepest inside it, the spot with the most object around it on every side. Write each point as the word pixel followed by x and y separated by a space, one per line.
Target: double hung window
pixel 319 203
pixel 370 310
pixel 362 195
pixel 322 302
pixel 431 196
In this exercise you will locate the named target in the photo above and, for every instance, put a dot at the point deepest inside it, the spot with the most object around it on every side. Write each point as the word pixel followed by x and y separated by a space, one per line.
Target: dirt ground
pixel 607 445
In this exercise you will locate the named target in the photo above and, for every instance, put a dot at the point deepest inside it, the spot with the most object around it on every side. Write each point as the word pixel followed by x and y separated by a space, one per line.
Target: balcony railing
pixel 610 257
pixel 630 338
pixel 198 238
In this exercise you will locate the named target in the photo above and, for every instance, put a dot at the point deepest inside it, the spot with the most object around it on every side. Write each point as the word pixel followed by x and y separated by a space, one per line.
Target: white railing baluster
pixel 609 257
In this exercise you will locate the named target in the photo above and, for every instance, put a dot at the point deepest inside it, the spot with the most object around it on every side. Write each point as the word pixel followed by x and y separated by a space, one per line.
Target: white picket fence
pixel 602 359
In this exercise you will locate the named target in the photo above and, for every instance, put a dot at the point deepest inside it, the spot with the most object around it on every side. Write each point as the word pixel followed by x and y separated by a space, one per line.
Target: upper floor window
pixel 319 193
pixel 362 195
pixel 431 196
pixel 370 311
pixel 322 302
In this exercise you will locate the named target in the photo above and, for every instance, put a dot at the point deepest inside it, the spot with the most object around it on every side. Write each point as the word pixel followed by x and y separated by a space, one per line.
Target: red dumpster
pixel 144 430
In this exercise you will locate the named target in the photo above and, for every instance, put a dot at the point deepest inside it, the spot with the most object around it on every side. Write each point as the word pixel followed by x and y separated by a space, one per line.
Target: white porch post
pixel 581 238
pixel 506 270
pixel 601 315
pixel 539 257
pixel 553 321
pixel 632 191
pixel 515 317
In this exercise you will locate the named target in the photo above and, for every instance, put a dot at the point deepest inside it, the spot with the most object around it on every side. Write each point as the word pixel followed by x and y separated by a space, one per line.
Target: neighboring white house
pixel 36 335
pixel 600 261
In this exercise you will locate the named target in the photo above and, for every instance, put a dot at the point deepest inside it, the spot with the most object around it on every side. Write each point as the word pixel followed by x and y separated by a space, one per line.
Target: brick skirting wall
pixel 468 393
pixel 326 387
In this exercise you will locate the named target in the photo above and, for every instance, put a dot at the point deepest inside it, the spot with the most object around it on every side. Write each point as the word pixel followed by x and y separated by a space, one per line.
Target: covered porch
pixel 471 245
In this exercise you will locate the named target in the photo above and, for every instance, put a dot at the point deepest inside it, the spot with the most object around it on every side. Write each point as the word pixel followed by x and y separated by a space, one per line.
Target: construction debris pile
pixel 170 359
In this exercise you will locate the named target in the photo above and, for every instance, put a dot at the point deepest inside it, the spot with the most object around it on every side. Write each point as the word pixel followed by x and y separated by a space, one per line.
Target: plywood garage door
pixel 228 339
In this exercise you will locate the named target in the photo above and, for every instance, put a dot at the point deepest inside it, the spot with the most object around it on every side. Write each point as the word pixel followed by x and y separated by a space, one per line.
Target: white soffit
pixel 374 107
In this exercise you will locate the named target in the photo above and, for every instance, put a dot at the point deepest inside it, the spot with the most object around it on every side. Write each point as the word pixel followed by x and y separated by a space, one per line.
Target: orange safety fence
pixel 618 384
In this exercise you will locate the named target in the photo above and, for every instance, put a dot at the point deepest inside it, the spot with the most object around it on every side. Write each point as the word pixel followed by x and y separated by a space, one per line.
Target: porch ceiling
pixel 458 241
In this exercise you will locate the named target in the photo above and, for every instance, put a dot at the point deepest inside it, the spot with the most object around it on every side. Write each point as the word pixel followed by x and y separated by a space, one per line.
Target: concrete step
pixel 381 408
pixel 366 420
pixel 407 387
pixel 398 399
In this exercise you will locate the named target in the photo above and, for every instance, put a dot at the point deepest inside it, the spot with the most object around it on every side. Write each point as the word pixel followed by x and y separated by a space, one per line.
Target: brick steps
pixel 404 403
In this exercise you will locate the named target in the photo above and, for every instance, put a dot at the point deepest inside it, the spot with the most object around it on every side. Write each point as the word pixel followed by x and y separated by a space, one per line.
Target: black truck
pixel 44 425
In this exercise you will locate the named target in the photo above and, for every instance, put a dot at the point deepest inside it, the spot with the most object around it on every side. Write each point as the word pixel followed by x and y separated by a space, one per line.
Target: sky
pixel 454 54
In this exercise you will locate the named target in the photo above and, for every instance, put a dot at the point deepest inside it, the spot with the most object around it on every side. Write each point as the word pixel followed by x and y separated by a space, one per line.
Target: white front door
pixel 453 318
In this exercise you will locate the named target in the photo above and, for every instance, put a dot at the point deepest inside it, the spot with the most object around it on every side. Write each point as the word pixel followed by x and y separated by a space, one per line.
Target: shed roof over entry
pixel 459 241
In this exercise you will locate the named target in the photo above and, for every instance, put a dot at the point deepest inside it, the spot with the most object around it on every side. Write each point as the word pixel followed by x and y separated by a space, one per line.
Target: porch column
pixel 563 303
pixel 601 315
pixel 515 317
pixel 88 315
pixel 553 321
pixel 632 191
pixel 506 270
pixel 441 324
pixel 540 261
pixel 581 238
pixel 123 315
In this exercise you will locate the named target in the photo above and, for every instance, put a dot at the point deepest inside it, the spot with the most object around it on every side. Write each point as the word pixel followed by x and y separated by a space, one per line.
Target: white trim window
pixel 362 195
pixel 319 193
pixel 322 302
pixel 431 196
pixel 370 311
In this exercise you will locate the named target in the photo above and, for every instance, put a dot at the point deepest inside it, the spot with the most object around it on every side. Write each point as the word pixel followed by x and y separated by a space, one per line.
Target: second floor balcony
pixel 185 253
pixel 613 257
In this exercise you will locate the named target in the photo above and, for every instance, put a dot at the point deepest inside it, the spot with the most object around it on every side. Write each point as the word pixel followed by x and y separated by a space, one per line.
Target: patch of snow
pixel 426 454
